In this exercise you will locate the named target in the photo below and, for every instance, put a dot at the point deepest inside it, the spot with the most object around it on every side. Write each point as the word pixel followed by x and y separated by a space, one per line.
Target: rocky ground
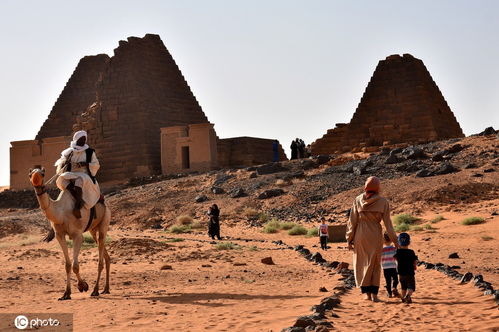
pixel 182 281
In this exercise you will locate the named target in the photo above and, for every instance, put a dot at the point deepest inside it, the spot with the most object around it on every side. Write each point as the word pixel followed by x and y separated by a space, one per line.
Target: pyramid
pixel 77 95
pixel 140 91
pixel 123 101
pixel 401 104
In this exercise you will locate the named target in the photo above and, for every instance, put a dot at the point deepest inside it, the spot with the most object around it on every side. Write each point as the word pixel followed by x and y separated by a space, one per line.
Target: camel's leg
pixel 101 262
pixel 103 228
pixel 77 241
pixel 107 258
pixel 99 236
pixel 64 246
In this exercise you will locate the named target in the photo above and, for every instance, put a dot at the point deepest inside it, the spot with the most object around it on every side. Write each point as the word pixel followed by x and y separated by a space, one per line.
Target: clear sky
pixel 274 69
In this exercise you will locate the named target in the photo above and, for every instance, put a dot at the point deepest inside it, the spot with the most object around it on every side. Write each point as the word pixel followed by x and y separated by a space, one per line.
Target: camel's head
pixel 36 176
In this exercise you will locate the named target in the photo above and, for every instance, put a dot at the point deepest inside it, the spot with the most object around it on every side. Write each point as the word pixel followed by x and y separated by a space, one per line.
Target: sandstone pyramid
pixel 401 104
pixel 122 102
pixel 77 95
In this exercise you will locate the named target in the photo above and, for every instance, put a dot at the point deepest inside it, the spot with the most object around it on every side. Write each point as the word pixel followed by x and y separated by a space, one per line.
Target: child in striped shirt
pixel 389 265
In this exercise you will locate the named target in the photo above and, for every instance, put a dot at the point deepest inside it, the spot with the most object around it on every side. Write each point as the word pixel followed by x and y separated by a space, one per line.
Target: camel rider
pixel 77 168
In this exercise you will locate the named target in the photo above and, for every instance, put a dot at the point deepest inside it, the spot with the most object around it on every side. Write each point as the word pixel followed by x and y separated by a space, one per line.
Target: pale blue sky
pixel 276 69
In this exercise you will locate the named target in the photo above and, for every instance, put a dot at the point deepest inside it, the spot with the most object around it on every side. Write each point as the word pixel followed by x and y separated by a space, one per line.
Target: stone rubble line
pixel 317 320
pixel 477 280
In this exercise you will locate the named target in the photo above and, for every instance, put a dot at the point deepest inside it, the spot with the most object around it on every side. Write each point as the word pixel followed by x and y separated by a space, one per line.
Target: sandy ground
pixel 231 290
pixel 439 304
pixel 207 289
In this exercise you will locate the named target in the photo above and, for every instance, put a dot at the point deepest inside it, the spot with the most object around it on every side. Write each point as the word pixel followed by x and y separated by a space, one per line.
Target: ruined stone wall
pixel 78 93
pixel 201 141
pixel 401 103
pixel 141 91
pixel 34 153
pixel 246 151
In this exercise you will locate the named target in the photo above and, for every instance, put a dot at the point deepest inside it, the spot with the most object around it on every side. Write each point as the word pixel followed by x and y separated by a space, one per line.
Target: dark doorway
pixel 185 157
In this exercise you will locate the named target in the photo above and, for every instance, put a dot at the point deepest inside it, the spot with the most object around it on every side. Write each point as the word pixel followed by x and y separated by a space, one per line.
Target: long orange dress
pixel 364 230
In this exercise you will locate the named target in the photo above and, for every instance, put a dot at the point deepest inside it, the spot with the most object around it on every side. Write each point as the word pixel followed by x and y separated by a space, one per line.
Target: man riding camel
pixel 77 168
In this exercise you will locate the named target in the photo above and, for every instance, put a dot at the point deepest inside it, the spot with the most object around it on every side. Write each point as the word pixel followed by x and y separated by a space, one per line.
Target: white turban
pixel 73 147
pixel 79 134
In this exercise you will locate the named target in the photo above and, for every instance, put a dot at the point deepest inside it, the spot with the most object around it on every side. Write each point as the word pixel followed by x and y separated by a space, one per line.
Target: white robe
pixel 91 191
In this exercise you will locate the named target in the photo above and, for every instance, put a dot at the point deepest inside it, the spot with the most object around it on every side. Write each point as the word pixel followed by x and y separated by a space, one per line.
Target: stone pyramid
pixel 123 101
pixel 401 104
pixel 77 95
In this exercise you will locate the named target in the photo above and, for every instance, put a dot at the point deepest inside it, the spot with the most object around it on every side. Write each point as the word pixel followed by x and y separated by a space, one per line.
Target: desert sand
pixel 164 281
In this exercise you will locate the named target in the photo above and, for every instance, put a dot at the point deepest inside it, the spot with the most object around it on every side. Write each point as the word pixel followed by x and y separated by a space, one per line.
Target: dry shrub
pixel 227 246
pixel 250 213
pixel 197 225
pixel 287 225
pixel 298 230
pixel 473 221
pixel 184 220
pixel 312 232
pixel 437 218
pixel 404 218
pixel 272 226
pixel 180 229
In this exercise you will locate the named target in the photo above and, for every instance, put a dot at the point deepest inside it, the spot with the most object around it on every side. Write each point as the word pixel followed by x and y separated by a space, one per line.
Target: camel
pixel 60 214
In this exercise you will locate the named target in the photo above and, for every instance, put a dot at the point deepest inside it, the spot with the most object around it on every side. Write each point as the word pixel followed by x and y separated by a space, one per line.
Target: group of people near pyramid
pixel 78 166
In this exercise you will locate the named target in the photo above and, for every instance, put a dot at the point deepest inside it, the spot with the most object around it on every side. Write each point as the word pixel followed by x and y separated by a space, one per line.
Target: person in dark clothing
pixel 275 150
pixel 406 265
pixel 294 150
pixel 301 148
pixel 214 223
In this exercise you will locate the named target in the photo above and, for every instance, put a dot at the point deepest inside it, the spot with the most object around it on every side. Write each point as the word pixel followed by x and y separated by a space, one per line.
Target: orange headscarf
pixel 372 186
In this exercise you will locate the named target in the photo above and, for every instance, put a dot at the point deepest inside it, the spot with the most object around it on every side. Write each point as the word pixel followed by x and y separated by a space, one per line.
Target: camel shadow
pixel 203 299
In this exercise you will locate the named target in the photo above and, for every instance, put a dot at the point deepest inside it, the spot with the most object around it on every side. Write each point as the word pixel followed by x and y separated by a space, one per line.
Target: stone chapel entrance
pixel 185 157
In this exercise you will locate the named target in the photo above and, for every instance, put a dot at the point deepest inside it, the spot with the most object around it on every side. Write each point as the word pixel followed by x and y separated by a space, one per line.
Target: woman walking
pixel 214 223
pixel 365 237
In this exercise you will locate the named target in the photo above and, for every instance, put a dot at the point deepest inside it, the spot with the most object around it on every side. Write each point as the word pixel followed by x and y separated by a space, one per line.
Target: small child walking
pixel 406 264
pixel 323 234
pixel 389 265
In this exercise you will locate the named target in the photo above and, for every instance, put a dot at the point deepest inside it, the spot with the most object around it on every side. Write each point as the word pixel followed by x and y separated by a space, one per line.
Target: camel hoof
pixel 95 293
pixel 65 297
pixel 106 291
pixel 82 286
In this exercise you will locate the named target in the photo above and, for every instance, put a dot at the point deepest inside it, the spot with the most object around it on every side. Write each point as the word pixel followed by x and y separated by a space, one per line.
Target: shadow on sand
pixel 204 299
